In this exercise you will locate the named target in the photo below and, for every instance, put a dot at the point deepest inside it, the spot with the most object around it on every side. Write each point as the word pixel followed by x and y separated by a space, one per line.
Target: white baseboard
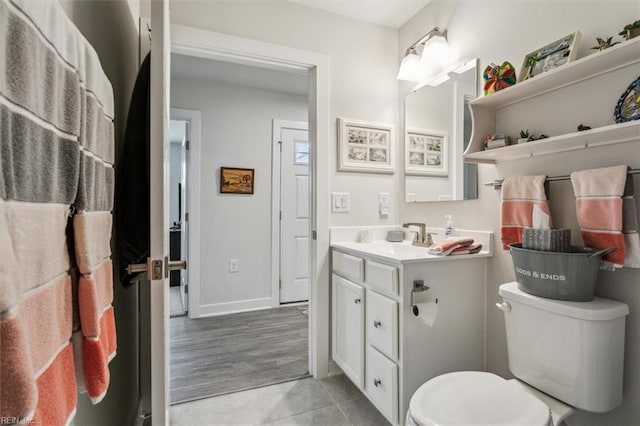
pixel 215 309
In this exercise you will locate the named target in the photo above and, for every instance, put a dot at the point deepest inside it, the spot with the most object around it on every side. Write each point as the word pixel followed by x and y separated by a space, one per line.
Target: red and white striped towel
pixel 605 209
pixel 520 194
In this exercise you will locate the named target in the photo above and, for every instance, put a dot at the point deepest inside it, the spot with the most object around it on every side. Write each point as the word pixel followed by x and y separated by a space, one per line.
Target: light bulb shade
pixel 436 50
pixel 409 67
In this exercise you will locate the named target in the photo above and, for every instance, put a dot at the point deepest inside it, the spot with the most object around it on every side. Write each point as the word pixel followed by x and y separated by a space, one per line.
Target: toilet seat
pixel 478 398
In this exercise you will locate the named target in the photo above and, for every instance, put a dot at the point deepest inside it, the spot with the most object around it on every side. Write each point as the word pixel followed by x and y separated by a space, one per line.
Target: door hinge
pixel 186 145
pixel 186 217
pixel 314 235
pixel 280 143
pixel 280 283
pixel 186 288
pixel 280 214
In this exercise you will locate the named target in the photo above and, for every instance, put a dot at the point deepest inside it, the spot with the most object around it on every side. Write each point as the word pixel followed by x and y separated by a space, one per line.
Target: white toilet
pixel 571 351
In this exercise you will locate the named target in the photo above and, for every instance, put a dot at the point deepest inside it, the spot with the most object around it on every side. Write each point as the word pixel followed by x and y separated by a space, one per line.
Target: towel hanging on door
pixel 57 151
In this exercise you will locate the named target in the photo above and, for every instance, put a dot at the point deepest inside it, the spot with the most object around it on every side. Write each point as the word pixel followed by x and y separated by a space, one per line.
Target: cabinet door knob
pixel 377 382
pixel 357 300
pixel 377 323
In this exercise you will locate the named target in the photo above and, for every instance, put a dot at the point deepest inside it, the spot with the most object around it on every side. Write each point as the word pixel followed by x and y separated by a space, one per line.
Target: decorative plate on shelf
pixel 628 106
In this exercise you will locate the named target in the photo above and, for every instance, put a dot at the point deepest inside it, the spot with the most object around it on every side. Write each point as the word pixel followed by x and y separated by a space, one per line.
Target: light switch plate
pixel 340 202
pixel 384 204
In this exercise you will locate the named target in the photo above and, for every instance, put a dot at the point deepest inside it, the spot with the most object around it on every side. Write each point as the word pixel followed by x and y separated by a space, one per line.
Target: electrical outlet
pixel 233 265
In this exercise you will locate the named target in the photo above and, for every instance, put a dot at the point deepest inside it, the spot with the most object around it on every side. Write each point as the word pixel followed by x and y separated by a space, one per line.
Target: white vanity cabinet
pixel 348 311
pixel 377 341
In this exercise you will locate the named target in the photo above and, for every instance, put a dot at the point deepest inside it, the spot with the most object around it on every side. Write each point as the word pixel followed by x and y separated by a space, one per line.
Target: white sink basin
pixel 393 251
pixel 405 252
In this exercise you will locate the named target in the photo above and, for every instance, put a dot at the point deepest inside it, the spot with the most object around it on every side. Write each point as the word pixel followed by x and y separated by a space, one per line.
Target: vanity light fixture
pixel 435 50
pixel 410 66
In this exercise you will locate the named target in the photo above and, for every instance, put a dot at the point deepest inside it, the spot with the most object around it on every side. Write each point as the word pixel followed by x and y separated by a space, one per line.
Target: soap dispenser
pixel 448 230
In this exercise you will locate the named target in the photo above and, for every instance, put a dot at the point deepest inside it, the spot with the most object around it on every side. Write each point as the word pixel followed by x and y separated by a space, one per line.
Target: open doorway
pixel 234 337
pixel 179 143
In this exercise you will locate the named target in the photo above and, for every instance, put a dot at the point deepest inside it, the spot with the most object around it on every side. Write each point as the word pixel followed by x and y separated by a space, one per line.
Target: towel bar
pixel 497 183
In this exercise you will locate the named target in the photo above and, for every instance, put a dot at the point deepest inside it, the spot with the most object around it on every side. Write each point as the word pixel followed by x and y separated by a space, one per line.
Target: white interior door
pixel 159 207
pixel 294 218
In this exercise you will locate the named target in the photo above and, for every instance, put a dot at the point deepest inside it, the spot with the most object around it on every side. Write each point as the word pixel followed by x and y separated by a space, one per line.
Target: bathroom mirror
pixel 437 131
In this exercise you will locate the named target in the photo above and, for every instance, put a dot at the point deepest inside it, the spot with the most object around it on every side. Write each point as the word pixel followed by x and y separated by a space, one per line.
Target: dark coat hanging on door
pixel 132 208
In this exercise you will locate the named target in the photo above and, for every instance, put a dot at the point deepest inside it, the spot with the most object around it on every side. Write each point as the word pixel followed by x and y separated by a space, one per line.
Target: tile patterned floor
pixel 333 401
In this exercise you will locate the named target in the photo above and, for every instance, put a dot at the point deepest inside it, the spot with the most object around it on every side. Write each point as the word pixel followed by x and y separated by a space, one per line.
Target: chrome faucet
pixel 422 238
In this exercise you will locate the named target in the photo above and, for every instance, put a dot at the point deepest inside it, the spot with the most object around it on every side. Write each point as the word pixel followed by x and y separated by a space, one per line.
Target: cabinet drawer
pixel 382 323
pixel 382 383
pixel 382 277
pixel 348 266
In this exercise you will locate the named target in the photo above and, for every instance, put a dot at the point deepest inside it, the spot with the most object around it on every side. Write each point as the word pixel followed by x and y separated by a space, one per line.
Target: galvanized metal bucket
pixel 563 276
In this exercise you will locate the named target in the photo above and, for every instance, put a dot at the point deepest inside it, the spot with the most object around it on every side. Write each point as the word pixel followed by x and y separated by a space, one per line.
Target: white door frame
pixel 193 206
pixel 159 203
pixel 278 125
pixel 211 45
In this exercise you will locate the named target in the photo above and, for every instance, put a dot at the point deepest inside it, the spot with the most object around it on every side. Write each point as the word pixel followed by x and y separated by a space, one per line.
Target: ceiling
pixel 388 13
pixel 193 68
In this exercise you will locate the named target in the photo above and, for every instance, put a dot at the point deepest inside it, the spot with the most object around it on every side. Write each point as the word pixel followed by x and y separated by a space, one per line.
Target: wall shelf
pixel 484 108
pixel 607 135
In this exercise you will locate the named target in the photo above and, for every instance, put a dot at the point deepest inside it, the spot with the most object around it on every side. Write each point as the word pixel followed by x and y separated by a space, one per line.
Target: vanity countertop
pixel 401 252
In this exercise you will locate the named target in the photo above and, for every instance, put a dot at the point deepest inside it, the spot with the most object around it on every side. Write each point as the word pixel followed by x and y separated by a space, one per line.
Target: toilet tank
pixel 573 351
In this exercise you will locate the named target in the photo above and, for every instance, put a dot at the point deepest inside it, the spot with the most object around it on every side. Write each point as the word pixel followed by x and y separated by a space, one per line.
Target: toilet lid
pixel 477 398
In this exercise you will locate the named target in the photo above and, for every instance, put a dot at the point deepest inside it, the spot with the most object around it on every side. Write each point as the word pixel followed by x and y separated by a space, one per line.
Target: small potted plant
pixel 524 136
pixel 631 30
pixel 604 43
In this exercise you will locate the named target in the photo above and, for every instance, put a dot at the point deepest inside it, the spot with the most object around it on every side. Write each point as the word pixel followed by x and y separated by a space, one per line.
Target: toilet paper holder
pixel 418 287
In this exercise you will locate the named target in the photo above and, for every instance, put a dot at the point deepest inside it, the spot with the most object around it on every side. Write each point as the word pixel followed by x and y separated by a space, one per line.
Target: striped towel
pixel 92 225
pixel 606 213
pixel 448 245
pixel 52 134
pixel 520 195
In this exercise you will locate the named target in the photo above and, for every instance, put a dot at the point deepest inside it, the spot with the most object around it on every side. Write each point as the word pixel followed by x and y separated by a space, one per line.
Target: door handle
pixel 377 324
pixel 153 269
pixel 357 300
pixel 173 265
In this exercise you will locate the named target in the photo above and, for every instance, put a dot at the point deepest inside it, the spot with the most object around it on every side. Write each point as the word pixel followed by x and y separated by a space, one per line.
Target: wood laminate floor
pixel 218 355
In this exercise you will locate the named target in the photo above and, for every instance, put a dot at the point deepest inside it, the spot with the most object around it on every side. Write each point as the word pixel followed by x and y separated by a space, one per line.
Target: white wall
pixel 236 132
pixel 362 77
pixel 473 31
pixel 111 28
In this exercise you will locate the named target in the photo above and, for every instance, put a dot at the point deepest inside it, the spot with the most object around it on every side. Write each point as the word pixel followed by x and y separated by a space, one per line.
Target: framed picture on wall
pixel 236 181
pixel 426 152
pixel 365 146
pixel 551 56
